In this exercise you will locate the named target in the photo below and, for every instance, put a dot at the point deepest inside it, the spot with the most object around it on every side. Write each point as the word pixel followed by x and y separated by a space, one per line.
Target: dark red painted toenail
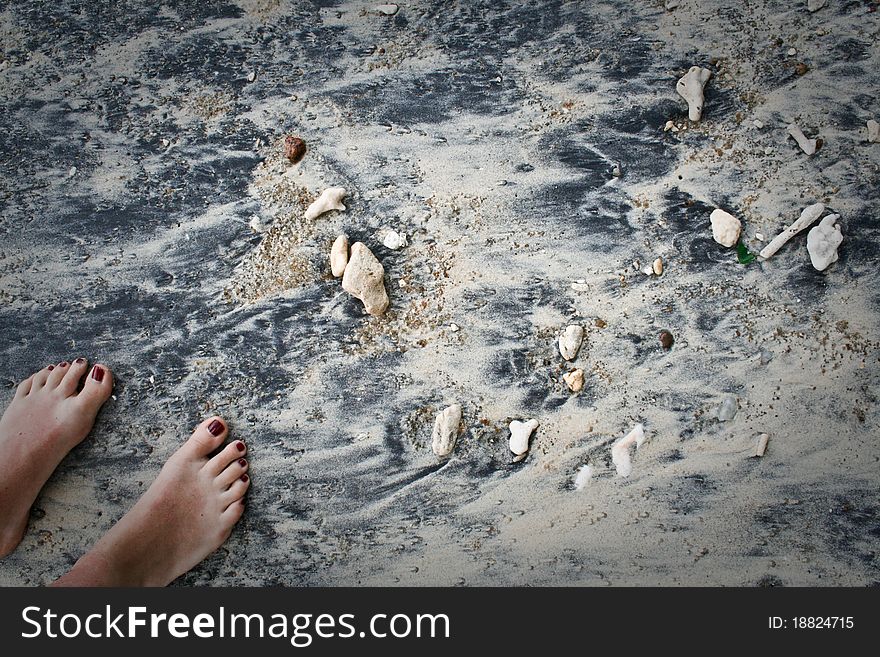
pixel 62 364
pixel 216 428
pixel 244 477
pixel 242 462
pixel 80 360
pixel 50 368
pixel 240 446
pixel 98 373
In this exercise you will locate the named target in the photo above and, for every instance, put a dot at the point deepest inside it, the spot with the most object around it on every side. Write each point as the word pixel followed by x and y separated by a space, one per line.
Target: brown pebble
pixel 600 323
pixel 801 68
pixel 666 339
pixel 294 148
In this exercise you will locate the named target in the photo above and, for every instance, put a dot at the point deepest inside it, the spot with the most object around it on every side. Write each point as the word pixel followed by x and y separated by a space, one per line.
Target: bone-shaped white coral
pixel 690 87
pixel 330 199
pixel 519 435
pixel 620 450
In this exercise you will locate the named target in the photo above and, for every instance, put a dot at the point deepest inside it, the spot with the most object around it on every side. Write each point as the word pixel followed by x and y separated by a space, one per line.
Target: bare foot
pixel 186 514
pixel 47 418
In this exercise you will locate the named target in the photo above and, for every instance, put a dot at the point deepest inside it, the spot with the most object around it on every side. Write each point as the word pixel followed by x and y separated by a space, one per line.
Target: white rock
pixel 574 380
pixel 761 447
pixel 822 242
pixel 725 227
pixel 257 224
pixel 758 124
pixel 815 5
pixel 394 240
pixel 620 450
pixel 387 9
pixel 446 430
pixel 330 199
pixel 671 4
pixel 808 146
pixel 583 476
pixel 339 256
pixel 519 435
pixel 657 267
pixel 873 131
pixel 690 87
pixel 570 341
pixel 808 216
pixel 364 278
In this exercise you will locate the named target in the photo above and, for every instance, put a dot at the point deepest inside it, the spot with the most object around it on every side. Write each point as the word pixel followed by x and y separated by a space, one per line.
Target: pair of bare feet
pixel 186 514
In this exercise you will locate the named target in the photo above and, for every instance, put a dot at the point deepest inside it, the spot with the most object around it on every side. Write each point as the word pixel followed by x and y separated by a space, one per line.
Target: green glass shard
pixel 743 254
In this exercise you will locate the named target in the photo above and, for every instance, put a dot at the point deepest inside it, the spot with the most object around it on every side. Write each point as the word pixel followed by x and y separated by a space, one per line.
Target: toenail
pixel 242 462
pixel 98 373
pixel 216 428
pixel 50 368
pixel 80 360
pixel 62 364
pixel 240 446
pixel 244 477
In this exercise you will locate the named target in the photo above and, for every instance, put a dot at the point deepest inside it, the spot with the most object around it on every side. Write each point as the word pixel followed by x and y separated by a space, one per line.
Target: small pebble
pixel 728 408
pixel 294 148
pixel 666 339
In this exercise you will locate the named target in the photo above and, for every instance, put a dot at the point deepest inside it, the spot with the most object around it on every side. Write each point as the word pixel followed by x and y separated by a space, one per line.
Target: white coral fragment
pixel 519 435
pixel 873 131
pixel 725 227
pixel 808 216
pixel 446 430
pixel 364 278
pixel 583 477
pixel 808 146
pixel 330 199
pixel 339 256
pixel 570 341
pixel 690 87
pixel 822 242
pixel 620 450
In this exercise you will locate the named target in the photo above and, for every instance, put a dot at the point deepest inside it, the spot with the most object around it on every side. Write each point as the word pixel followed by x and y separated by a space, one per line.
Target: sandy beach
pixel 539 161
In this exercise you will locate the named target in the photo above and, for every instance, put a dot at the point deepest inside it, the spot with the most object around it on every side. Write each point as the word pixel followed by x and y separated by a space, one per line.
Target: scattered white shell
pixel 257 224
pixel 339 256
pixel 72 172
pixel 574 380
pixel 808 216
pixel 815 5
pixel 758 124
pixel 759 237
pixel 725 227
pixel 394 240
pixel 873 131
pixel 690 87
pixel 387 10
pixel 446 430
pixel 620 450
pixel 657 267
pixel 808 146
pixel 252 76
pixel 822 242
pixel 519 435
pixel 330 199
pixel 570 341
pixel 364 278
pixel 761 447
pixel 455 328
pixel 728 408
pixel 583 476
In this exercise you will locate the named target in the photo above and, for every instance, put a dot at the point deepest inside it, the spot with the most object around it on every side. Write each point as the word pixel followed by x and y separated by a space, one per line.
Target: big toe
pixel 207 437
pixel 97 387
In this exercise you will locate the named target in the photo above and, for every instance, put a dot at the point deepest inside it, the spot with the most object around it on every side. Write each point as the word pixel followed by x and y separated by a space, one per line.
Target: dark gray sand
pixel 525 151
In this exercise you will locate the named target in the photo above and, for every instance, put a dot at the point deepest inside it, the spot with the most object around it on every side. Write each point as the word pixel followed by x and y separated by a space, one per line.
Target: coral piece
pixel 808 216
pixel 330 199
pixel 446 430
pixel 570 341
pixel 574 380
pixel 822 242
pixel 725 227
pixel 808 146
pixel 620 450
pixel 339 256
pixel 364 278
pixel 519 435
pixel 690 87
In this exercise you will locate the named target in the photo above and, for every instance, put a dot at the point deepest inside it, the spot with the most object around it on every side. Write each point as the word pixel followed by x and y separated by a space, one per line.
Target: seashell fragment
pixel 808 146
pixel 330 199
pixel 725 227
pixel 583 477
pixel 690 87
pixel 761 447
pixel 620 450
pixel 394 240
pixel 519 435
pixel 339 256
pixel 570 341
pixel 364 278
pixel 822 242
pixel 808 216
pixel 446 430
